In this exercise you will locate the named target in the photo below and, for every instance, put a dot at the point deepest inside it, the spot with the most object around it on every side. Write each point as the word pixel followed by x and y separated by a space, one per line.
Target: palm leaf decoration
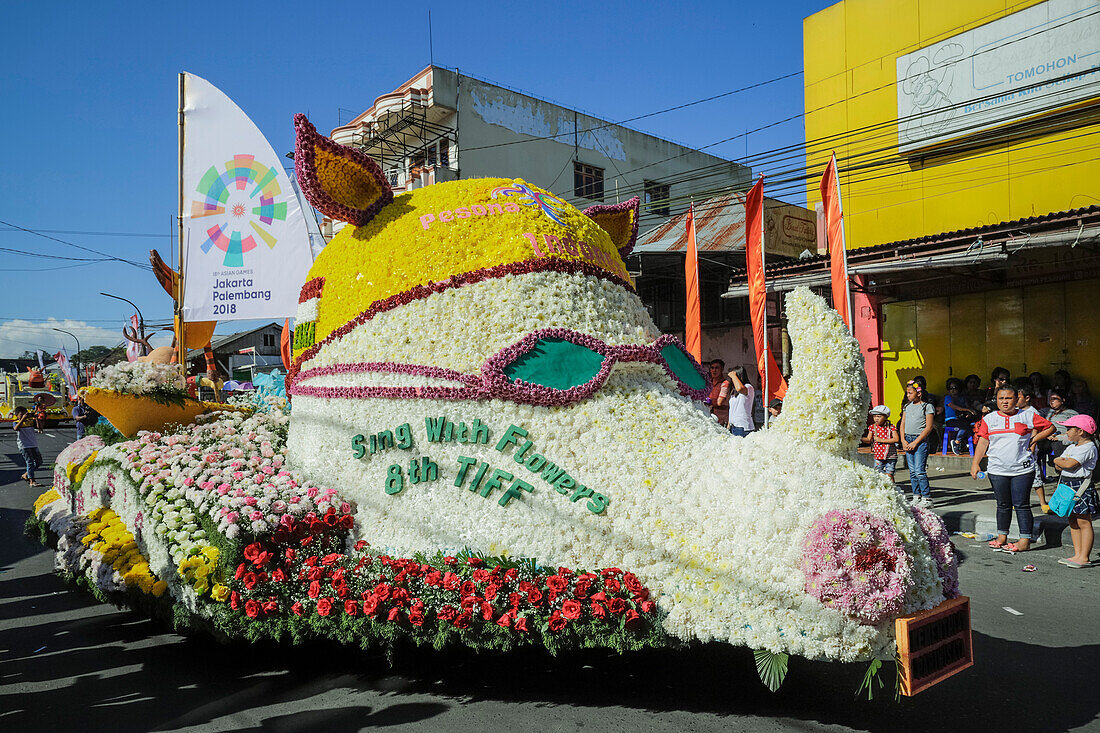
pixel 871 678
pixel 772 668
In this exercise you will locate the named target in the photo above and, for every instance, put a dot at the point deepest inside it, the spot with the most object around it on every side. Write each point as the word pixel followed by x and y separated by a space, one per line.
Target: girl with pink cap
pixel 1077 464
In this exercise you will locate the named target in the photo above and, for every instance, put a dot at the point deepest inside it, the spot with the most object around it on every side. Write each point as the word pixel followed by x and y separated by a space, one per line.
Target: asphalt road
pixel 67 663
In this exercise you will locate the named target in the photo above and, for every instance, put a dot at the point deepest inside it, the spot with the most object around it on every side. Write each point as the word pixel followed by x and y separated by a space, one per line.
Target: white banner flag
pixel 133 348
pixel 246 247
pixel 62 358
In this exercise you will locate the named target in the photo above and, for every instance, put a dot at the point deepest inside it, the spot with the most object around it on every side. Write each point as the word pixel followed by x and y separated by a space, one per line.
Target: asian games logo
pixel 243 198
pixel 550 204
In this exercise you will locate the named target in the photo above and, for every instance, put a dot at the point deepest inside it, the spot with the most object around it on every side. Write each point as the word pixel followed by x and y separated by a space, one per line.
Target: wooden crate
pixel 933 645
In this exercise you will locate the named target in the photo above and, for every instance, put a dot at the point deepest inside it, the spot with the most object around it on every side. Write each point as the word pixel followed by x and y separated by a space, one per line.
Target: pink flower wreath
pixel 856 563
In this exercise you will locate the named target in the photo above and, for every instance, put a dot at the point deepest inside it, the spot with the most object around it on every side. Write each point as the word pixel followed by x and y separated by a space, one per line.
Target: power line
pixel 24 253
pixel 859 174
pixel 771 81
pixel 86 233
pixel 845 100
pixel 640 117
pixel 48 269
pixel 77 246
pixel 886 128
pixel 50 319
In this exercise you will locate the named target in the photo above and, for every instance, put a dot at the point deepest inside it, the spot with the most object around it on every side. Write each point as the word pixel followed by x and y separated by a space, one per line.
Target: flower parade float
pixel 144 395
pixel 492 445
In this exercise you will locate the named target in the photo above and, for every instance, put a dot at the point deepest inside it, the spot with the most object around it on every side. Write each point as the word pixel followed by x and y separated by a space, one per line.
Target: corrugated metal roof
pixel 221 340
pixel 719 226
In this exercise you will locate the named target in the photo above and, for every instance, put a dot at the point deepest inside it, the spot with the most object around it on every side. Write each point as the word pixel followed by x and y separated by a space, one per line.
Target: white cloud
pixel 19 335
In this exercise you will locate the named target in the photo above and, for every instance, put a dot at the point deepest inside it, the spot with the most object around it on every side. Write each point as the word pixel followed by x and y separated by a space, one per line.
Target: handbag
pixel 1065 497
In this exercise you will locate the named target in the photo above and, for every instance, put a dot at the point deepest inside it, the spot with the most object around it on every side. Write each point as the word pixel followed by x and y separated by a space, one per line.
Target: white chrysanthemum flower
pixel 711 523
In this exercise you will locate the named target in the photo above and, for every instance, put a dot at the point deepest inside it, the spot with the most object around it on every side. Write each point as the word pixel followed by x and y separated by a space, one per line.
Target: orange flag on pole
pixel 692 329
pixel 771 379
pixel 834 227
pixel 284 344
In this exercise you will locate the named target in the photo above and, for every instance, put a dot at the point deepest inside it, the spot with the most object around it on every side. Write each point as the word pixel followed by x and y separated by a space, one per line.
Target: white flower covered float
pixel 493 446
pixel 473 369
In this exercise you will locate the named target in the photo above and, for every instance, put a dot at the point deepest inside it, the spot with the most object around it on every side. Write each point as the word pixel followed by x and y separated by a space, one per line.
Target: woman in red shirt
pixel 1008 436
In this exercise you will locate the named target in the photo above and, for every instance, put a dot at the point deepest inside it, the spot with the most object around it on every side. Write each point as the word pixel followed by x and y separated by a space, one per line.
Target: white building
pixel 441 125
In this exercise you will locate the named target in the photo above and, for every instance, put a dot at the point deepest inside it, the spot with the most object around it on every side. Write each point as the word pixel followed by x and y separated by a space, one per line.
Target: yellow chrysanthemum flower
pixel 47 498
pixel 375 261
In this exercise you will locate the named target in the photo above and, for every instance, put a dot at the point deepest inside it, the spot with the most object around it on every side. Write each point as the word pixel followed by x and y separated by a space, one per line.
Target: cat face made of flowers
pixel 447 235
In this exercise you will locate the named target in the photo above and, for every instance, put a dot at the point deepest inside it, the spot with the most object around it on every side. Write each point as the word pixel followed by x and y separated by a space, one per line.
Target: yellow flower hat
pixel 398 249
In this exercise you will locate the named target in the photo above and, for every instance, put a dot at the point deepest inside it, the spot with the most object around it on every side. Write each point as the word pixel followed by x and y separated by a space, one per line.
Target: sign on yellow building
pixel 949 115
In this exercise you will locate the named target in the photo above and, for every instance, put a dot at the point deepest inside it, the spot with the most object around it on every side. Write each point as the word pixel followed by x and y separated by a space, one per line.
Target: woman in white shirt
pixel 1077 462
pixel 741 397
pixel 1009 436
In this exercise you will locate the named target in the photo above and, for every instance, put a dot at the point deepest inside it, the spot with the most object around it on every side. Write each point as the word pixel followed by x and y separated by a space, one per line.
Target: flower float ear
pixel 339 181
pixel 618 220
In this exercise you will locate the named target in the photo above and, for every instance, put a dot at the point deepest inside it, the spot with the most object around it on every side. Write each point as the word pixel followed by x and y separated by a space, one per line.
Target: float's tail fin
pixel 827 398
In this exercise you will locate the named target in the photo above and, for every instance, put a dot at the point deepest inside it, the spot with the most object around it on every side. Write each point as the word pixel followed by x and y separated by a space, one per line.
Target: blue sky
pixel 89 108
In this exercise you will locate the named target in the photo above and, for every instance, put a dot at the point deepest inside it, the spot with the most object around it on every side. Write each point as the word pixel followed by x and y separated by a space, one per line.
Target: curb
pixel 1050 530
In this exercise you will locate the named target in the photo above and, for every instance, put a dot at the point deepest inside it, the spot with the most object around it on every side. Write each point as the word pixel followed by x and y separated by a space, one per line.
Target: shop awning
pixel 1049 248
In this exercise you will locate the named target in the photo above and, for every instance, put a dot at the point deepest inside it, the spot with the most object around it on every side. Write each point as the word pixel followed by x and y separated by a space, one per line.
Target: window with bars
pixel 587 181
pixel 657 197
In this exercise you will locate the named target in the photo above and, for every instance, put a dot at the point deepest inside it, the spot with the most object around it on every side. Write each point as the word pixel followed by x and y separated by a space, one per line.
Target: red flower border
pixel 523 267
pixel 312 289
pixel 300 572
pixel 493 383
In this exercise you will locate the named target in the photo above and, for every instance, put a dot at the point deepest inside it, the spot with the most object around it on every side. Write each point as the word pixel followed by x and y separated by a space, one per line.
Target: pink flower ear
pixel 620 221
pixel 339 181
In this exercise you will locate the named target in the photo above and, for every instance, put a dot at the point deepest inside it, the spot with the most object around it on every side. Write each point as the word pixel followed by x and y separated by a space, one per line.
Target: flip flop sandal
pixel 1072 564
pixel 997 545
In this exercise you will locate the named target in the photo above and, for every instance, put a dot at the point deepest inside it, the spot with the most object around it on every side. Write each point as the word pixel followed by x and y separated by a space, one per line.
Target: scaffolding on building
pixel 410 147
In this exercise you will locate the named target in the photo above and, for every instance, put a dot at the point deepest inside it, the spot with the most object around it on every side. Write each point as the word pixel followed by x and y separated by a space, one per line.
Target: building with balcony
pixel 442 125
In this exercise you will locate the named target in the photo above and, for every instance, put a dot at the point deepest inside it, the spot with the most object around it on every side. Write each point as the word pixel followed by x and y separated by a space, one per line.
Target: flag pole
pixel 181 348
pixel 767 345
pixel 847 280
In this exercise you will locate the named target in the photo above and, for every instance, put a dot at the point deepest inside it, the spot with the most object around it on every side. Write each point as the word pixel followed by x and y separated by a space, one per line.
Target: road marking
pixel 50 435
pixel 1011 610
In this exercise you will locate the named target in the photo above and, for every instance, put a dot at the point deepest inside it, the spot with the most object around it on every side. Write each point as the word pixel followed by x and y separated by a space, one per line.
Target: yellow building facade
pixel 948 115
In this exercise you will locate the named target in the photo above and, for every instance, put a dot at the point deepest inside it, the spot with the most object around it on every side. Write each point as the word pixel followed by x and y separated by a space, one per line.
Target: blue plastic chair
pixel 948 433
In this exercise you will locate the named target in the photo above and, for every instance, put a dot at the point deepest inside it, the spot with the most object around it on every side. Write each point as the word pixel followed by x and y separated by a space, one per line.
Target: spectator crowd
pixel 1029 431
